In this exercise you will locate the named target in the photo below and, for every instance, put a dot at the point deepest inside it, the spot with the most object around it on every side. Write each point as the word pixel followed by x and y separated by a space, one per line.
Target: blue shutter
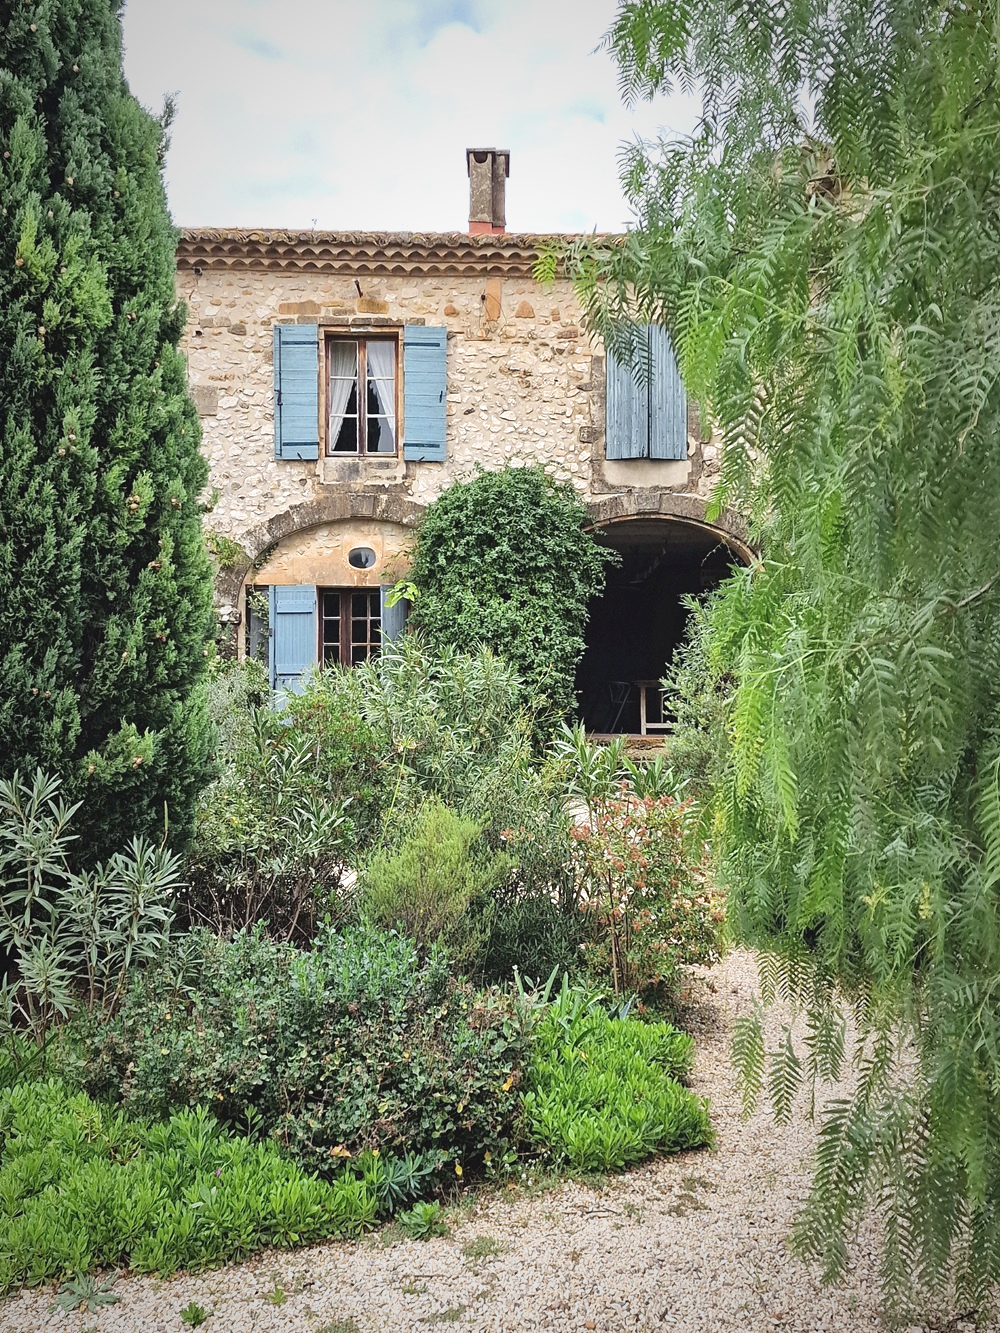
pixel 296 391
pixel 393 617
pixel 626 430
pixel 293 644
pixel 667 400
pixel 425 355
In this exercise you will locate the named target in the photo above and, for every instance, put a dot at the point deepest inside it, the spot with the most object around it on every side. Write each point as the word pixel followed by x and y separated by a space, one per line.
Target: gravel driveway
pixel 695 1242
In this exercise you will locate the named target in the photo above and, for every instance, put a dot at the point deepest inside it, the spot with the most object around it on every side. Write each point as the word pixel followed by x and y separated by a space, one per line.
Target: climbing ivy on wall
pixel 504 560
pixel 105 615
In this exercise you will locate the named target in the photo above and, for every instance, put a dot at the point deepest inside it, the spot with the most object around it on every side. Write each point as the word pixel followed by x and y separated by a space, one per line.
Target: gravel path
pixel 694 1243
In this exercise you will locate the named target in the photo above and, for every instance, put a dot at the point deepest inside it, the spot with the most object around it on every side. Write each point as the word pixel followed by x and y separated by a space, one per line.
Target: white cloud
pixel 346 114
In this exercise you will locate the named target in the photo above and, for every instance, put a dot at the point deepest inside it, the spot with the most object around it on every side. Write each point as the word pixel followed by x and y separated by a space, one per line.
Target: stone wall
pixel 319 555
pixel 521 383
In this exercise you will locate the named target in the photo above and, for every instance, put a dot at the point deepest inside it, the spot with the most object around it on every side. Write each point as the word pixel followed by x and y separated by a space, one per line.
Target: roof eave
pixel 387 254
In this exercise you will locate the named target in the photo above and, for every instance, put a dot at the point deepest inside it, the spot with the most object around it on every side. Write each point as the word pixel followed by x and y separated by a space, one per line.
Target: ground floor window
pixel 295 628
pixel 351 625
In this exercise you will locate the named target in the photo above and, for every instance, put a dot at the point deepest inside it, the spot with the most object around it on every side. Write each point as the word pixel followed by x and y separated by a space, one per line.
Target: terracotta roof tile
pixel 423 254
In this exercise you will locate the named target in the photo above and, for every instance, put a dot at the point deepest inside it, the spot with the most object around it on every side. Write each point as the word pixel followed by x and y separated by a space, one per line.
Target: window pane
pixel 343 360
pixel 331 628
pixel 342 395
pixel 365 624
pixel 346 440
pixel 380 399
pixel 380 436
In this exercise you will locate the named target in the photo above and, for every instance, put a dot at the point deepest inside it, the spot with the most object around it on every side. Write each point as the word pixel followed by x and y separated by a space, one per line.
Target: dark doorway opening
pixel 639 620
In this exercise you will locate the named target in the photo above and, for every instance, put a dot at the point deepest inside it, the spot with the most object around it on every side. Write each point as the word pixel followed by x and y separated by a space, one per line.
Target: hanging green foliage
pixel 106 611
pixel 826 252
pixel 504 561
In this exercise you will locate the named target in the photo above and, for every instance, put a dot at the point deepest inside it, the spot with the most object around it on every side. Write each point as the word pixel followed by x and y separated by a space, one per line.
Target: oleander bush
pixel 295 793
pixel 603 1091
pixel 69 938
pixel 449 725
pixel 363 1042
pixel 650 906
pixel 84 1187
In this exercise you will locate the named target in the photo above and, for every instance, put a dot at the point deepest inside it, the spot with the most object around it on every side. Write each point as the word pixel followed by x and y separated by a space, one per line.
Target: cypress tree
pixel 105 612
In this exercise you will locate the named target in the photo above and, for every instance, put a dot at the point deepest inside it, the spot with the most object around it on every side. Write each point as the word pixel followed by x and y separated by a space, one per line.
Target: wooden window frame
pixel 362 337
pixel 346 644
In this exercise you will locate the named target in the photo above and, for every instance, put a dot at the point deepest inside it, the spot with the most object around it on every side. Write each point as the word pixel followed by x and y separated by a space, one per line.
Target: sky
pixel 356 114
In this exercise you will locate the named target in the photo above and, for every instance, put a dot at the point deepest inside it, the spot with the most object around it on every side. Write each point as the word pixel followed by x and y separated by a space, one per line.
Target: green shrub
pixel 431 887
pixel 69 938
pixel 449 725
pixel 603 1091
pixel 424 1220
pixel 82 1187
pixel 524 931
pixel 277 825
pixel 593 773
pixel 700 699
pixel 505 561
pixel 342 774
pixel 86 1292
pixel 648 901
pixel 359 1043
pixel 455 727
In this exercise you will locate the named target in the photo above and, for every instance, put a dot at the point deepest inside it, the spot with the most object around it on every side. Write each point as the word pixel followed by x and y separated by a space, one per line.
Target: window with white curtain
pixel 361 380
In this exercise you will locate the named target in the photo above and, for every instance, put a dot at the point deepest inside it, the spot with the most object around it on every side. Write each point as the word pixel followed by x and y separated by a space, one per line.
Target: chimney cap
pixel 483 154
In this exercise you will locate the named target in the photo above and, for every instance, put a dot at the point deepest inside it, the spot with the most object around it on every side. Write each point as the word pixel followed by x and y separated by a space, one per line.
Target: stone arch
pixel 729 527
pixel 667 552
pixel 376 505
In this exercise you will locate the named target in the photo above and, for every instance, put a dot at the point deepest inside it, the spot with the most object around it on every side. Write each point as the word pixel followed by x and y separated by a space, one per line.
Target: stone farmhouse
pixel 344 380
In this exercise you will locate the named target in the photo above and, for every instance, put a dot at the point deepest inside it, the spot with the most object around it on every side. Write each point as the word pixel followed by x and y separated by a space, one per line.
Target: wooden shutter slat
pixel 296 391
pixel 425 384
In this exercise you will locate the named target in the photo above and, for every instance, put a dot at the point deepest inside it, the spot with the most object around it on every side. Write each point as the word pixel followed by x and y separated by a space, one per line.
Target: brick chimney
pixel 488 172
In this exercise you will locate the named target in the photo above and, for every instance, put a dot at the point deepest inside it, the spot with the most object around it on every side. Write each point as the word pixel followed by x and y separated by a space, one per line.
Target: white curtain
pixel 343 377
pixel 382 373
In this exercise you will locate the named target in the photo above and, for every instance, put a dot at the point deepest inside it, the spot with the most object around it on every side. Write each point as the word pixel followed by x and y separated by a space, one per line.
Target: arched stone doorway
pixel 311 545
pixel 638 622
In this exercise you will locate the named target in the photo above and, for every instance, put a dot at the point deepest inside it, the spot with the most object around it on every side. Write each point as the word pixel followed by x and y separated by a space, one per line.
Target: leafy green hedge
pixel 359 1043
pixel 505 561
pixel 603 1092
pixel 83 1187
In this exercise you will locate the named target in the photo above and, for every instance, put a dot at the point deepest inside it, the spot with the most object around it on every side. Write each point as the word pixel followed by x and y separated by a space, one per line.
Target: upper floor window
pixel 646 403
pixel 379 392
pixel 361 380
